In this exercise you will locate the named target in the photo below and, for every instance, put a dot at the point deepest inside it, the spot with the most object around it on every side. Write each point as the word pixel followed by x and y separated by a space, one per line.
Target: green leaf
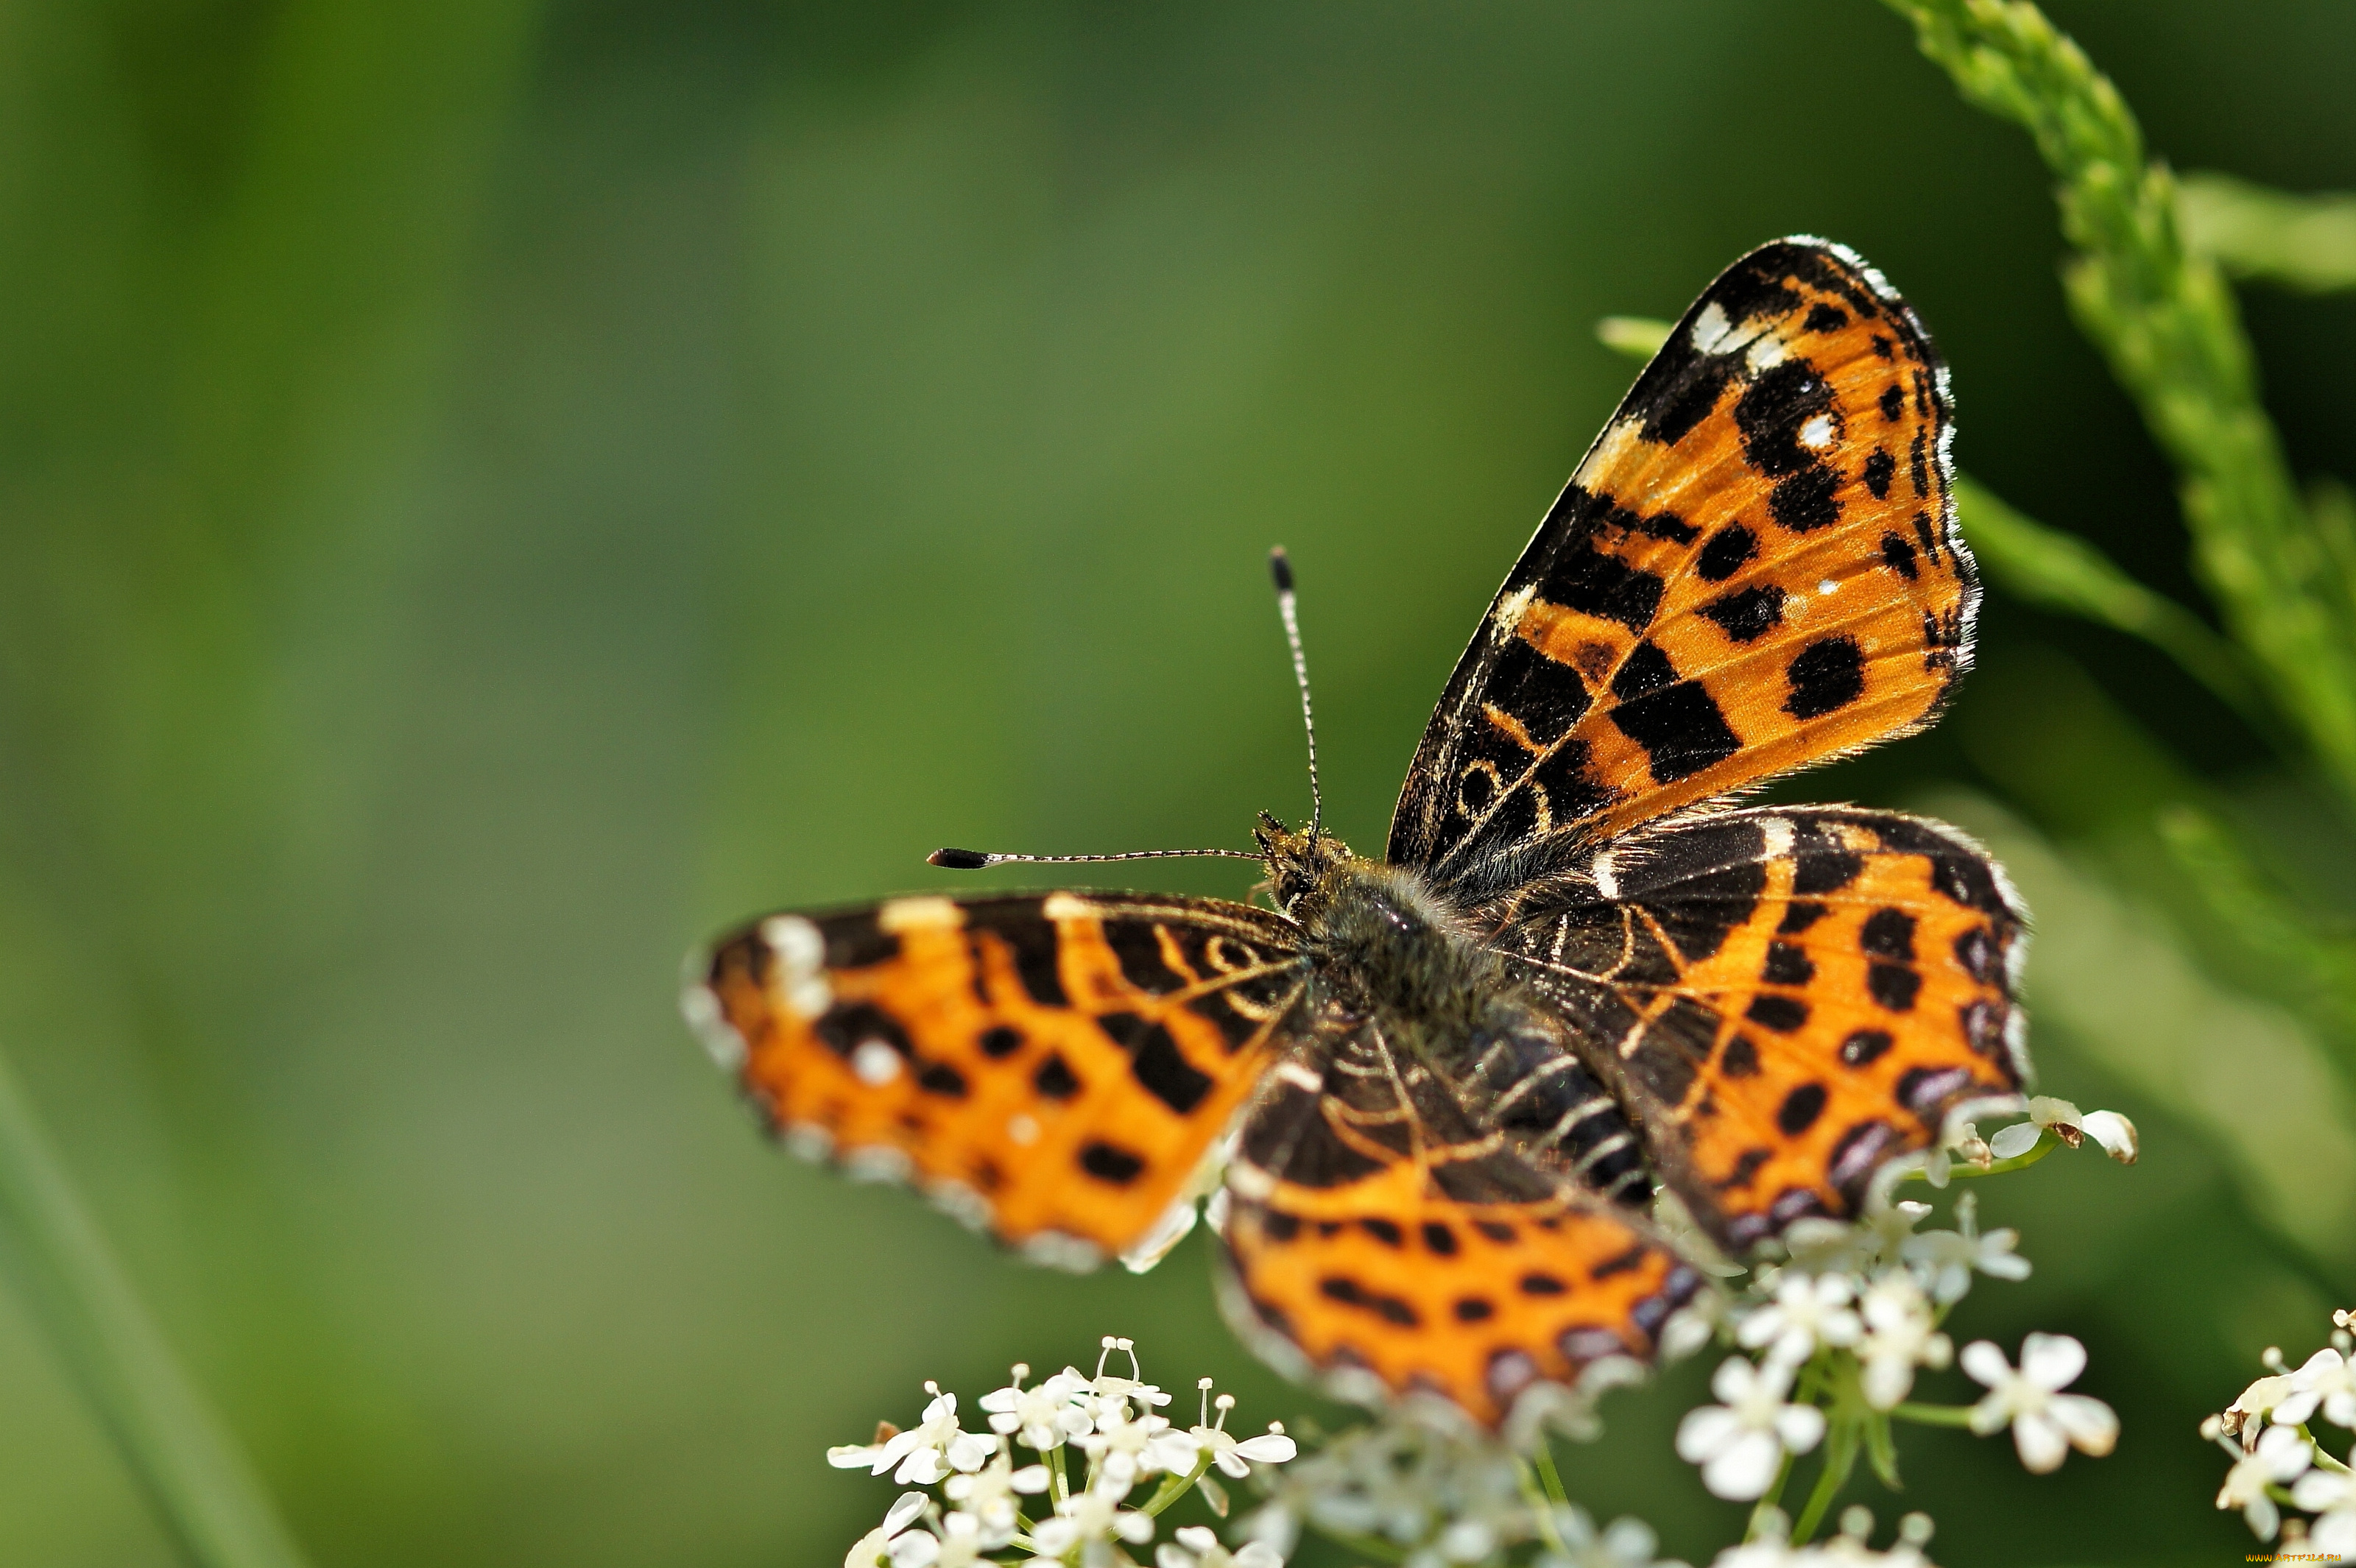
pixel 2305 242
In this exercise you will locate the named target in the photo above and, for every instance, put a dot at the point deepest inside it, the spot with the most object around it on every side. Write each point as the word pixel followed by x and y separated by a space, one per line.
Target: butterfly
pixel 1434 1095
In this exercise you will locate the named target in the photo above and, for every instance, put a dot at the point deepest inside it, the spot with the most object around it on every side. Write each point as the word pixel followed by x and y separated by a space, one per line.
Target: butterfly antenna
pixel 1280 567
pixel 975 859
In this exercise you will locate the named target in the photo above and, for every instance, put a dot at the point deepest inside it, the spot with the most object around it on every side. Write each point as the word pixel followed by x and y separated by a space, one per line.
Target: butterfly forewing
pixel 1790 997
pixel 1754 568
pixel 1051 1068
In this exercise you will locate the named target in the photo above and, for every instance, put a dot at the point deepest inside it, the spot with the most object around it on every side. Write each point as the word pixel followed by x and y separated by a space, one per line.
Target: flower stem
pixel 1556 1491
pixel 2045 1144
pixel 1059 1486
pixel 1934 1414
pixel 1173 1486
pixel 1840 1458
pixel 1541 1509
pixel 198 1482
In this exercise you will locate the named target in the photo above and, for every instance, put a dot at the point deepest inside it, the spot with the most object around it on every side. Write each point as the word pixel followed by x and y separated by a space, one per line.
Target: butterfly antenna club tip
pixel 1280 568
pixel 957 859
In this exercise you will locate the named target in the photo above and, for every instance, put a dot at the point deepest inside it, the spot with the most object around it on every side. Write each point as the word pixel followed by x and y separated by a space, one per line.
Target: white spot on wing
pixel 1818 432
pixel 877 1162
pixel 959 1202
pixel 1607 881
pixel 1711 329
pixel 1828 586
pixel 1775 832
pixel 1067 906
pixel 720 1038
pixel 799 979
pixel 1766 352
pixel 1023 1129
pixel 1507 616
pixel 1056 1250
pixel 874 1063
pixel 809 1141
pixel 1176 1222
pixel 919 914
pixel 1300 1077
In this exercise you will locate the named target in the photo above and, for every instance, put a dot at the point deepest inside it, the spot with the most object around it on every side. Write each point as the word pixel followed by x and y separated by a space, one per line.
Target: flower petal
pixel 1745 1469
pixel 2041 1441
pixel 1801 1427
pixel 1986 1364
pixel 1706 1433
pixel 2114 1132
pixel 2051 1360
pixel 2092 1426
pixel 2014 1140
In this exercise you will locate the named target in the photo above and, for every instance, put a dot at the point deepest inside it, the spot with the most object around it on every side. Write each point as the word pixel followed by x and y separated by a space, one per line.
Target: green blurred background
pixel 492 493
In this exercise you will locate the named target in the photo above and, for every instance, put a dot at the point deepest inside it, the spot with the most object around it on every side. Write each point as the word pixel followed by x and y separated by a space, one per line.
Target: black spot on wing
pixel 1825 318
pixel 1826 677
pixel 1859 1153
pixel 1806 501
pixel 856 942
pixel 1879 470
pixel 999 1042
pixel 1899 555
pixel 1798 916
pixel 1586 580
pixel 1894 986
pixel 1110 1163
pixel 1782 1014
pixel 1155 1059
pixel 1889 934
pixel 1647 668
pixel 1138 945
pixel 1739 1058
pixel 1749 615
pixel 1893 402
pixel 1865 1046
pixel 1770 412
pixel 1032 939
pixel 1544 699
pixel 1800 1109
pixel 1680 728
pixel 1726 552
pixel 841 1028
pixel 940 1078
pixel 1054 1078
pixel 1678 388
pixel 1787 964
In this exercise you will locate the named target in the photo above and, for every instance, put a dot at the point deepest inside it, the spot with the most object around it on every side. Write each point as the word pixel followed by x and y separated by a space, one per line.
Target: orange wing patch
pixel 1754 569
pixel 1798 997
pixel 1052 1069
pixel 1388 1238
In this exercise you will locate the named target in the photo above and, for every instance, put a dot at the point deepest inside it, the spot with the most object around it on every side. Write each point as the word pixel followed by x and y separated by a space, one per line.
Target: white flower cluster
pixel 1112 1421
pixel 1837 1333
pixel 1771 1545
pixel 1432 1493
pixel 2279 1463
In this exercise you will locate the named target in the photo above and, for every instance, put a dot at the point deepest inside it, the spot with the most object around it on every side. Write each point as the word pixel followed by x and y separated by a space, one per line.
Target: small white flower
pixel 1901 1334
pixel 1962 1145
pixel 1892 1226
pixel 872 1547
pixel 986 1496
pixel 1235 1457
pixel 1947 1258
pixel 1692 1327
pixel 1197 1547
pixel 2253 1405
pixel 1040 1418
pixel 2046 1423
pixel 2330 1495
pixel 1091 1518
pixel 1123 1448
pixel 1740 1443
pixel 1110 1387
pixel 2281 1453
pixel 1622 1543
pixel 2114 1132
pixel 2328 1381
pixel 1804 1314
pixel 926 1452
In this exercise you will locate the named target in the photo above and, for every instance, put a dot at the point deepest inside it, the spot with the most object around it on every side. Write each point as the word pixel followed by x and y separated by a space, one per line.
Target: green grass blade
pixel 2165 318
pixel 205 1494
pixel 2305 242
pixel 2058 570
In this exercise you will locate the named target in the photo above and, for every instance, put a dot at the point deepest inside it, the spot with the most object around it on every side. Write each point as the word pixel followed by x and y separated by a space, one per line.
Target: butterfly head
pixel 1299 860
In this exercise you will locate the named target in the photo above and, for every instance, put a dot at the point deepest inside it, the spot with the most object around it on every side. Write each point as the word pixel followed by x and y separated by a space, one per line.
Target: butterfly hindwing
pixel 1791 998
pixel 1380 1235
pixel 1754 568
pixel 1051 1068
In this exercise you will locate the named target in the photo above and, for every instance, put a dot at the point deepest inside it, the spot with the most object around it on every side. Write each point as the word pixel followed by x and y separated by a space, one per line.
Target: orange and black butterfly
pixel 1440 1089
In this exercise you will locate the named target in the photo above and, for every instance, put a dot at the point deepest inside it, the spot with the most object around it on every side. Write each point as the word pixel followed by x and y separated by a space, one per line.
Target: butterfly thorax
pixel 1384 945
